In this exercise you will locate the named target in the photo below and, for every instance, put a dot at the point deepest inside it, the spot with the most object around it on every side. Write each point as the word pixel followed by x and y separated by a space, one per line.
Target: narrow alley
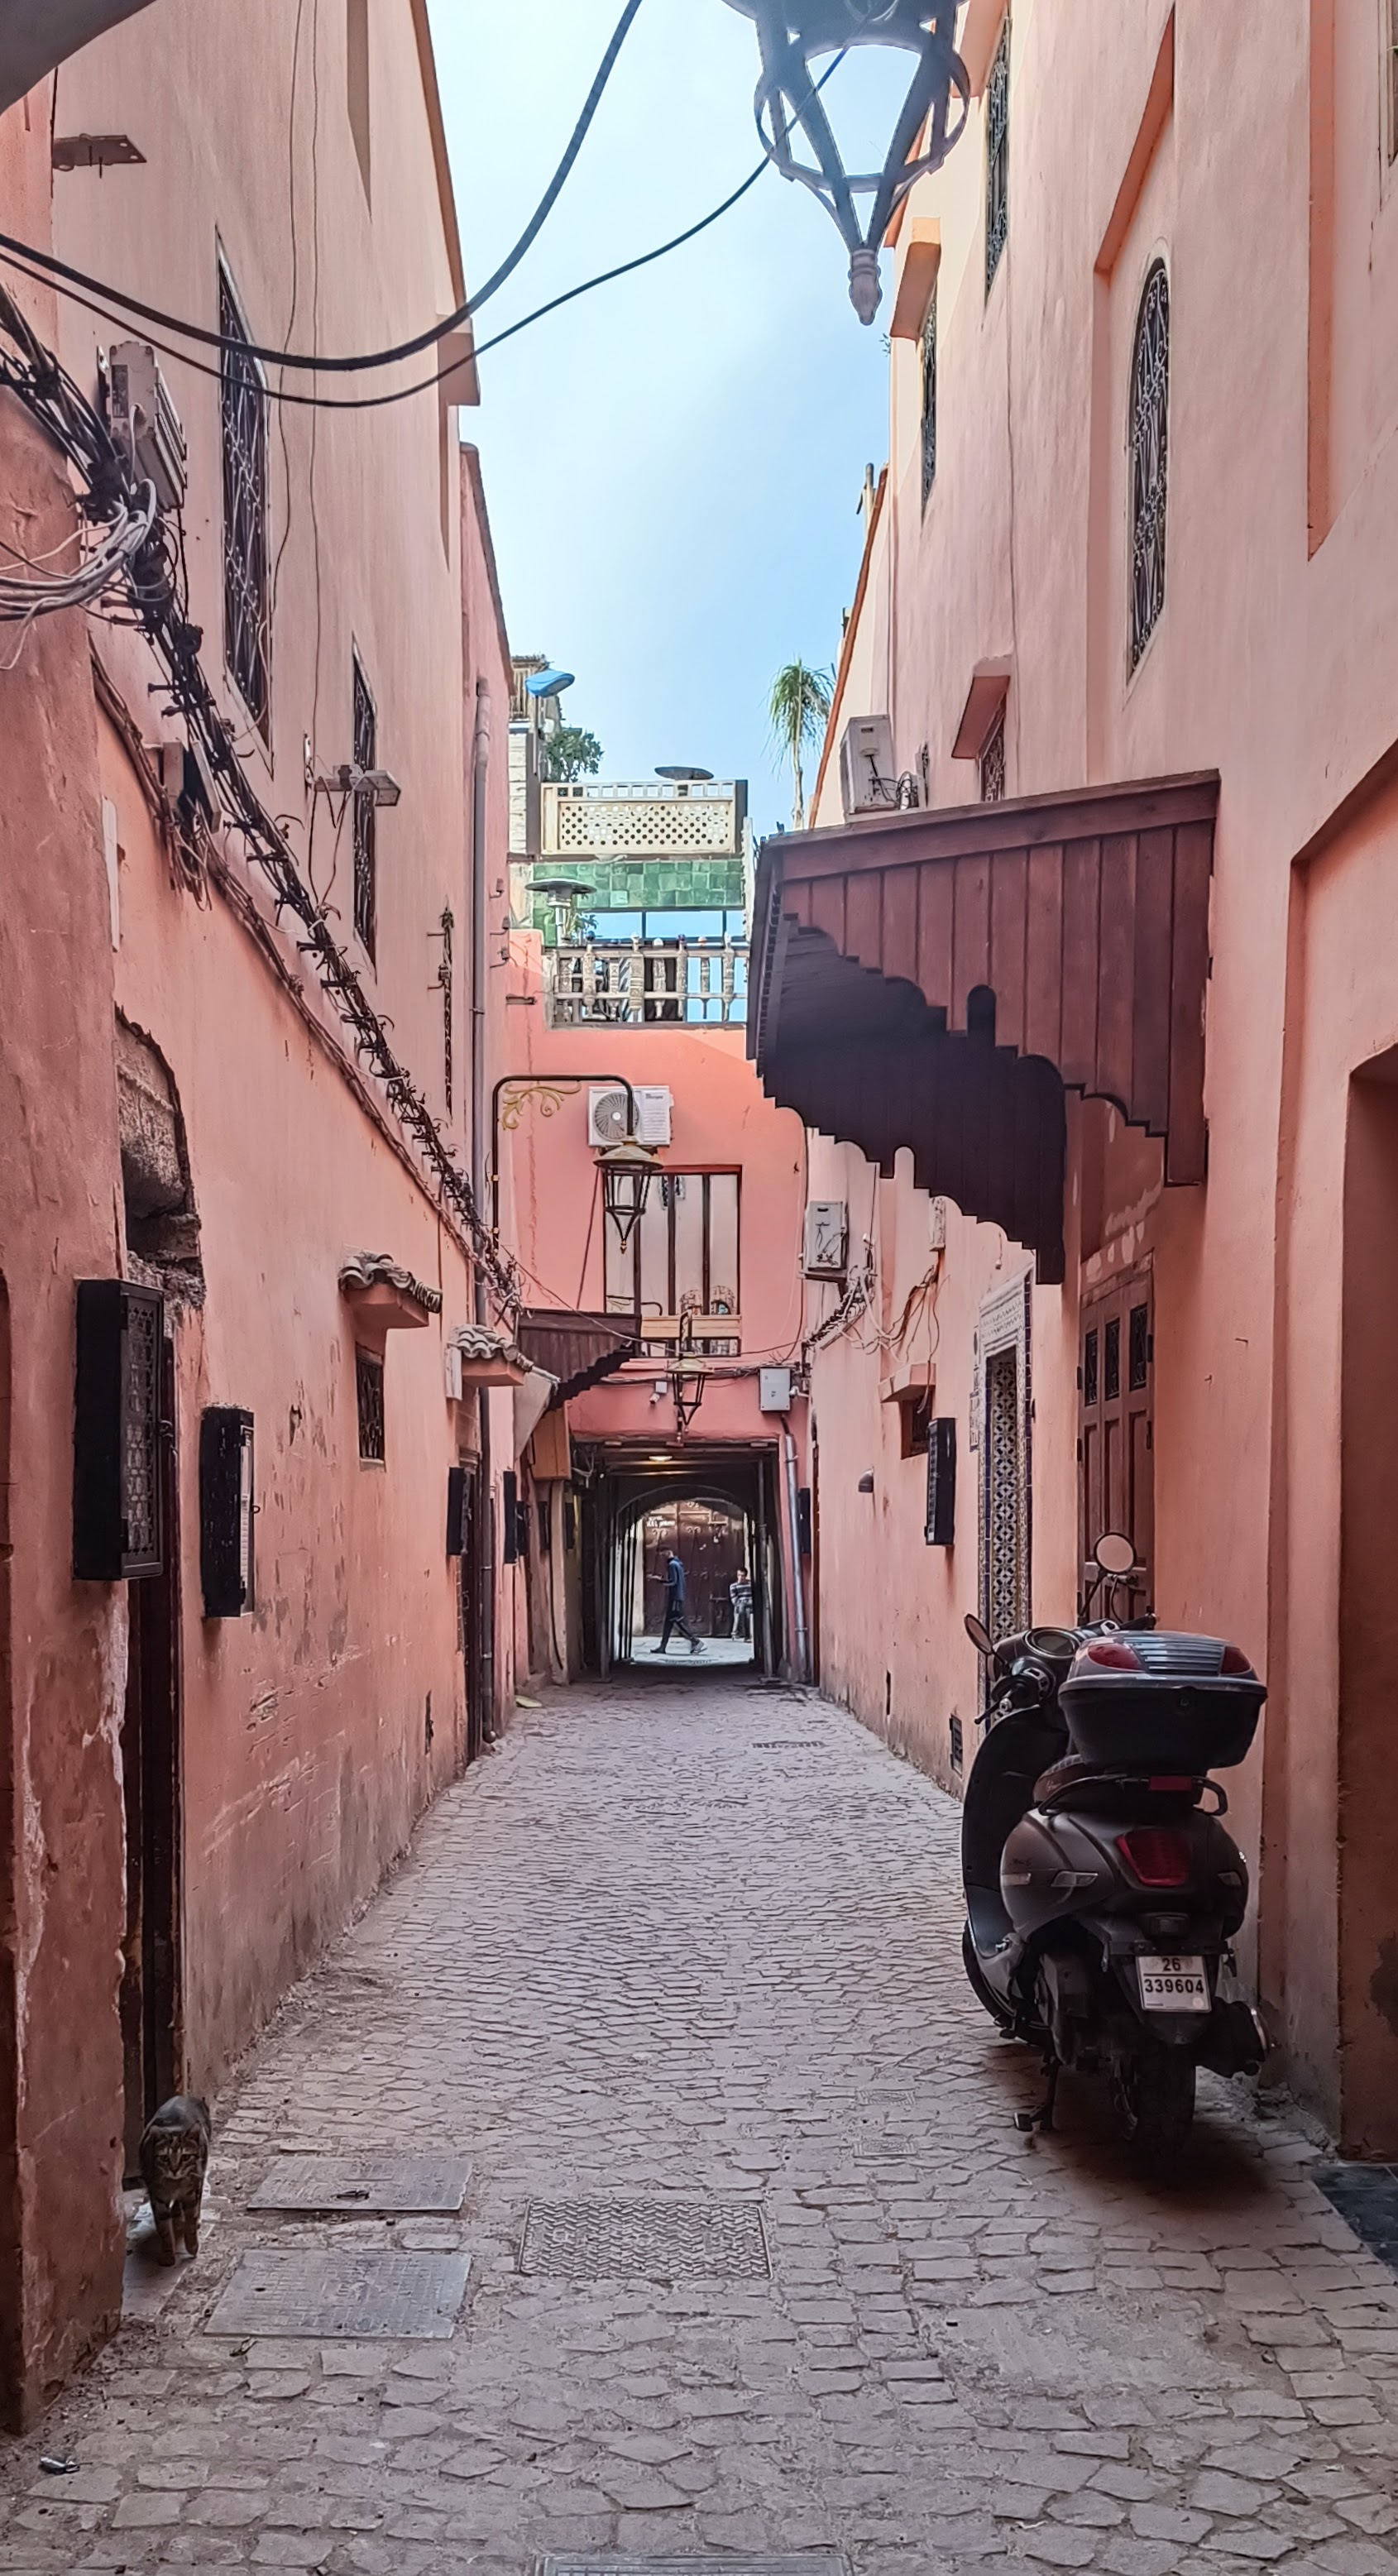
pixel 685 1951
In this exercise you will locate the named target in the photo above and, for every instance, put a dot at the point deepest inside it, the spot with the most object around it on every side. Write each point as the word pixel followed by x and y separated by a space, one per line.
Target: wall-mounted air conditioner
pixel 654 1104
pixel 144 423
pixel 868 778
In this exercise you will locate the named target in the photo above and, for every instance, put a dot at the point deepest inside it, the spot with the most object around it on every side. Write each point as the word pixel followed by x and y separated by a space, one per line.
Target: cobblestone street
pixel 689 1939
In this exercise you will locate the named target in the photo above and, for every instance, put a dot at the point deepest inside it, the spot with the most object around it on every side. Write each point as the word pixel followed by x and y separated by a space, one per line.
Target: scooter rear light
pixel 1234 1661
pixel 1115 1654
pixel 1160 1788
pixel 1157 1857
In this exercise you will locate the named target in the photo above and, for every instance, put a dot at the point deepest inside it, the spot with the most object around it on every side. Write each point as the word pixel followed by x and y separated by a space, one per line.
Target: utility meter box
pixel 774 1390
pixel 826 1245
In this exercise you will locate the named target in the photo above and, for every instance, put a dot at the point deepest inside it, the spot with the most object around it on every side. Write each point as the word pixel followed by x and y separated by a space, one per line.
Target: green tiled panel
pixel 660 885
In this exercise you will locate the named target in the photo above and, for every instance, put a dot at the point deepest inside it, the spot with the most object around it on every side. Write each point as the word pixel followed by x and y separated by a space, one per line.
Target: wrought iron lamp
pixel 627 1172
pixel 794 34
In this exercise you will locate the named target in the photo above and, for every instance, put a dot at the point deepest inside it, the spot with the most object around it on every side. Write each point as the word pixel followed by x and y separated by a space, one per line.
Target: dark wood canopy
pixel 937 980
pixel 579 1349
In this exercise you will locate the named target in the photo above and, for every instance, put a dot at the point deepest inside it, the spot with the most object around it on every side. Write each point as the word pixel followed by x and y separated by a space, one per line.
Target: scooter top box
pixel 1156 1699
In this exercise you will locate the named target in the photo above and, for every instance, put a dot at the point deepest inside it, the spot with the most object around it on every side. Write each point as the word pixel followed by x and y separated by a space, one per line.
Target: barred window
pixel 992 775
pixel 366 749
pixel 1149 457
pixel 247 598
pixel 368 1388
pixel 929 395
pixel 997 154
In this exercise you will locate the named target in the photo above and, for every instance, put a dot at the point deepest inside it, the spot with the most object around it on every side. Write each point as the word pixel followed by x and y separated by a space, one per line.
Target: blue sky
pixel 673 464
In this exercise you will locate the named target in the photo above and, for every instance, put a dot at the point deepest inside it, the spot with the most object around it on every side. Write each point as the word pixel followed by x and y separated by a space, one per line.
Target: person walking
pixel 674 1609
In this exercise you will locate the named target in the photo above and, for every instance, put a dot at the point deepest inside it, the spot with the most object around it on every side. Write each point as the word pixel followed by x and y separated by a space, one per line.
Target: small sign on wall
pixel 941 1482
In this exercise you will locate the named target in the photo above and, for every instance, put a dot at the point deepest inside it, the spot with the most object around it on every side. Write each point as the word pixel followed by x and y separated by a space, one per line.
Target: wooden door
pixel 1116 1465
pixel 151 1982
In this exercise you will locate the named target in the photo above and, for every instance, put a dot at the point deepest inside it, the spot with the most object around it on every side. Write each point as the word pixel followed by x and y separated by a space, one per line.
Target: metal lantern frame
pixel 792 35
pixel 627 1172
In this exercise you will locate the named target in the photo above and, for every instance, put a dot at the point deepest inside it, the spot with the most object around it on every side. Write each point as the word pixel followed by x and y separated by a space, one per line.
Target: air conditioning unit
pixel 654 1103
pixel 144 423
pixel 868 778
pixel 826 1251
pixel 608 1115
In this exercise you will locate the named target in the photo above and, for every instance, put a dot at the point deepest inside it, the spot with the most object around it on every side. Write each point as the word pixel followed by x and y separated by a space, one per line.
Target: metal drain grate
pixel 884 2146
pixel 645 2240
pixel 393 2186
pixel 1366 2196
pixel 798 2562
pixel 788 1744
pixel 412 2296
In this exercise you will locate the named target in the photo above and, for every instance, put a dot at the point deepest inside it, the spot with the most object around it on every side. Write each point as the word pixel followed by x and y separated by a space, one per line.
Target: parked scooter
pixel 1102 1892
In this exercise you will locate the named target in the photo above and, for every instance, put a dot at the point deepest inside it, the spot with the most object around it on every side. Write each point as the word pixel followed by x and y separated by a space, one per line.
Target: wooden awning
pixel 578 1349
pixel 936 980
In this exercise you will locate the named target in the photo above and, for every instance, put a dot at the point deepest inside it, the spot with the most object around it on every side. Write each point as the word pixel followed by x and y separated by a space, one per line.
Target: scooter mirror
pixel 1114 1552
pixel 980 1636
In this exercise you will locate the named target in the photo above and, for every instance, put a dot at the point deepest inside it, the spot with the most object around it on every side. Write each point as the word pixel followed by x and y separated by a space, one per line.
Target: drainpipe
pixel 480 768
pixel 793 1525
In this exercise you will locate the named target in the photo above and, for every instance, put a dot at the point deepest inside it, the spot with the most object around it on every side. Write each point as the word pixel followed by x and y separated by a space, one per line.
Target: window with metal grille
pixel 444 974
pixel 118 1529
pixel 929 394
pixel 247 596
pixel 681 1261
pixel 1089 1368
pixel 368 1389
pixel 1149 457
pixel 226 1508
pixel 1111 1359
pixel 1138 1347
pixel 997 154
pixel 992 770
pixel 366 750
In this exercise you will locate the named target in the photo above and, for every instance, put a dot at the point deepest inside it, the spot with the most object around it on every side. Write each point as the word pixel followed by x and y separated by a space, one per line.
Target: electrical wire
pixel 60 269
pixel 424 384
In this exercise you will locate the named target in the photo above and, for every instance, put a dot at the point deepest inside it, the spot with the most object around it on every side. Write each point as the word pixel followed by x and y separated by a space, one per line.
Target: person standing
pixel 740 1595
pixel 674 1609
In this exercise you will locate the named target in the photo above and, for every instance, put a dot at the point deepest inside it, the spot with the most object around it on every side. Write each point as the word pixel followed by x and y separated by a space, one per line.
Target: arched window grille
pixel 1149 457
pixel 997 154
pixel 929 395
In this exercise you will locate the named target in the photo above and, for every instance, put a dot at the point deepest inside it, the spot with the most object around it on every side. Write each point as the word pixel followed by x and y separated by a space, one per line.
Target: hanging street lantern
pixel 627 1172
pixel 795 34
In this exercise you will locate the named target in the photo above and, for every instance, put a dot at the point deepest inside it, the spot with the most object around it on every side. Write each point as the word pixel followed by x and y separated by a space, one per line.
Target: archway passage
pixel 717 1505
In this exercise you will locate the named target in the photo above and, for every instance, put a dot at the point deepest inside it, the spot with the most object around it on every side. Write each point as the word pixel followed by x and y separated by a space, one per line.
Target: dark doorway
pixel 474 1611
pixel 1116 1437
pixel 151 1981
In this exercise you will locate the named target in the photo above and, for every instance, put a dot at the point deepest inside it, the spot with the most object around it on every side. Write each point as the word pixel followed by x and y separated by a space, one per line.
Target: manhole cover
pixel 415 2296
pixel 645 2240
pixel 1367 2196
pixel 396 2185
pixel 799 2562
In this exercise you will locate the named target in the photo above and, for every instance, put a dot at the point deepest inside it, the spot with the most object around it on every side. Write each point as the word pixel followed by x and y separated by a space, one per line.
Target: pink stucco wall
pixel 1269 663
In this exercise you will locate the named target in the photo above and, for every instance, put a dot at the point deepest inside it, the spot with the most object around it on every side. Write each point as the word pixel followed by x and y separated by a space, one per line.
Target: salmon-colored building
pixel 664 1292
pixel 257 1402
pixel 1099 1042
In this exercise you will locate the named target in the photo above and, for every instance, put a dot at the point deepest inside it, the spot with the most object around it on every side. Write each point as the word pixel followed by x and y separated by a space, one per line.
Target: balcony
pixel 645 983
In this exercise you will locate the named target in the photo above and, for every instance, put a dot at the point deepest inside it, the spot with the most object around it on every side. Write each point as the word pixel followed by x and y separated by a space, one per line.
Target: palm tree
pixel 799 707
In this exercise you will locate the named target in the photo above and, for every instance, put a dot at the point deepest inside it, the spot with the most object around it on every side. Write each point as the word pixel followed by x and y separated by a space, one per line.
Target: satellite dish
pixel 549 684
pixel 687 777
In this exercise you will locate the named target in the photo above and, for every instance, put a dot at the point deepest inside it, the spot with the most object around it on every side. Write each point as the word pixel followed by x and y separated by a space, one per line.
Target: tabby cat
pixel 174 2158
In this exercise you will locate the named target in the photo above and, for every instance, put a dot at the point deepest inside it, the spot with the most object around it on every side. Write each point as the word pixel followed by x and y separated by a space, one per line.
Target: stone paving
pixel 692 1943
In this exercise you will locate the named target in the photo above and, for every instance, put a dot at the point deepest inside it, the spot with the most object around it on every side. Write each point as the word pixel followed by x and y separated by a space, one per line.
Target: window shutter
pixel 456 1511
pixel 941 1482
pixel 510 1482
pixel 226 1507
pixel 117 1519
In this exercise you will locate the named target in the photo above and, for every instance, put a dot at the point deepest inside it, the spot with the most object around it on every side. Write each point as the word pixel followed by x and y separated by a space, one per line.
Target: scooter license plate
pixel 1173 1985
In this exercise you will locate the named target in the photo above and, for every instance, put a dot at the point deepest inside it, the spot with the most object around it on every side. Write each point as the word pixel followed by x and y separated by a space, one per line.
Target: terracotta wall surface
pixel 62 1645
pixel 1268 664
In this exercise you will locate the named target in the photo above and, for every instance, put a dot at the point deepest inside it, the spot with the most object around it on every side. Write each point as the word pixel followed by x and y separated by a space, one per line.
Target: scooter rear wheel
pixel 975 1978
pixel 1153 2092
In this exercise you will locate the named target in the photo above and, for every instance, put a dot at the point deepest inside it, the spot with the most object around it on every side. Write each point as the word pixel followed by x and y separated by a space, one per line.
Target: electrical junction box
pixel 774 1390
pixel 144 423
pixel 826 1244
pixel 868 779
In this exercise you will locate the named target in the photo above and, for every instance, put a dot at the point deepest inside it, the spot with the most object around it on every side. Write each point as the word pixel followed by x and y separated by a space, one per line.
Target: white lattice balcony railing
pixel 694 983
